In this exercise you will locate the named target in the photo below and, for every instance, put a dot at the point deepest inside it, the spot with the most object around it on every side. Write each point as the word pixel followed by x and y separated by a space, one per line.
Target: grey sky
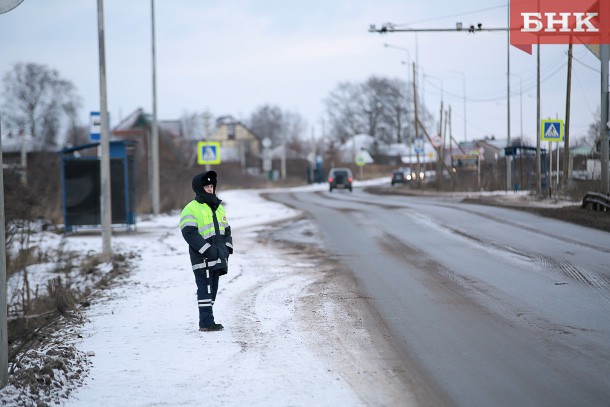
pixel 234 56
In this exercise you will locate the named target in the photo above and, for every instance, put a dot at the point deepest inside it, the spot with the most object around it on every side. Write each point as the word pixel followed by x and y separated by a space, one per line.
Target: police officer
pixel 204 226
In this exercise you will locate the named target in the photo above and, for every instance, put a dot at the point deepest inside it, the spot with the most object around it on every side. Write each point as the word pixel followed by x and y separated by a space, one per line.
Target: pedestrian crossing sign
pixel 552 130
pixel 208 152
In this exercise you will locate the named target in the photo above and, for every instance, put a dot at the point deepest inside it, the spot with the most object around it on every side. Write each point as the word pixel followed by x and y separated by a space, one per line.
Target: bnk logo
pixel 559 22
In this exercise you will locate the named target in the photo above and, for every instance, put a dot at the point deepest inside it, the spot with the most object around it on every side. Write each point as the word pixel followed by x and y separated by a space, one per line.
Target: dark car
pixel 402 176
pixel 340 178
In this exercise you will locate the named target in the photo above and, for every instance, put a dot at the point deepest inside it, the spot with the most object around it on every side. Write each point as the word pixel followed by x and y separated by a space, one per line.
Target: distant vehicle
pixel 405 175
pixel 340 178
pixel 401 176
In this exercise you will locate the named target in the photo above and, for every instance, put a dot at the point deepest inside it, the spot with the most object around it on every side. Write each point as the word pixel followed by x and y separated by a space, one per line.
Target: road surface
pixel 489 306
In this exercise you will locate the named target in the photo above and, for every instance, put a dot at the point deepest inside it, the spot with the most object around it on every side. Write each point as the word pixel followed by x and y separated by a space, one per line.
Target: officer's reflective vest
pixel 201 216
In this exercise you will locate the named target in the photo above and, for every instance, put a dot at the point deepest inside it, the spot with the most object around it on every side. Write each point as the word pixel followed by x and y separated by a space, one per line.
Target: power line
pixel 585 65
pixel 502 97
pixel 584 95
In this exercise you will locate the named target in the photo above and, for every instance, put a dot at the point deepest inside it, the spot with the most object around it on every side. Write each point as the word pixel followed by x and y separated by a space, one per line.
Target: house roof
pixel 133 124
pixel 228 119
pixel 581 150
pixel 138 121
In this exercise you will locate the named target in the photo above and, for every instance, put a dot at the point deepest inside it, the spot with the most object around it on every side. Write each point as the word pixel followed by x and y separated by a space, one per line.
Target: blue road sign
pixel 208 152
pixel 552 130
pixel 95 126
pixel 418 145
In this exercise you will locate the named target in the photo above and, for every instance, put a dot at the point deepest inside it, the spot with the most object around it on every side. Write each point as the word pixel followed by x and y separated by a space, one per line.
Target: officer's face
pixel 209 189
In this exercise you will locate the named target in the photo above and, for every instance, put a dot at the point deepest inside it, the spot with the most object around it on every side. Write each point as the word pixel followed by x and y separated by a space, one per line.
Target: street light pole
pixel 508 143
pixel 155 130
pixel 106 208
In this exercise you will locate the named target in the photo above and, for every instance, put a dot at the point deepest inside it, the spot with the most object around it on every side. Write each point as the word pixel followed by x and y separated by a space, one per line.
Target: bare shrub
pixel 60 296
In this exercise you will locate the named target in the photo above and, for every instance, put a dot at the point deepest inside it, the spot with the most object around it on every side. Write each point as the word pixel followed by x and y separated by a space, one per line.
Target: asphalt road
pixel 491 306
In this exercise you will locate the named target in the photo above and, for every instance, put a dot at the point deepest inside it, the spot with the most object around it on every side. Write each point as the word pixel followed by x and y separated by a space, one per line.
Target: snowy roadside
pixel 296 333
pixel 298 330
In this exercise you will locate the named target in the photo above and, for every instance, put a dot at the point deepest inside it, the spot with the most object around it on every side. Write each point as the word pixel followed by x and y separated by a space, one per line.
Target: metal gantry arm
pixel 389 27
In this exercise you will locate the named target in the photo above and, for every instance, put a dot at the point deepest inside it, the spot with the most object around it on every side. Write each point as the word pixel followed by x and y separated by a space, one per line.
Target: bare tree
pixel 268 121
pixel 38 100
pixel 277 124
pixel 397 111
pixel 344 112
pixel 197 125
pixel 378 107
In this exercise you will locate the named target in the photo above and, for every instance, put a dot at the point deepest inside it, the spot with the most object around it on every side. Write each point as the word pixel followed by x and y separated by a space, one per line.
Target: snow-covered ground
pixel 290 337
pixel 297 330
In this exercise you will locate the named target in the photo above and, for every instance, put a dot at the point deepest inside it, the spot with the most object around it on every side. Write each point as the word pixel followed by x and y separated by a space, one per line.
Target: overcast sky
pixel 232 57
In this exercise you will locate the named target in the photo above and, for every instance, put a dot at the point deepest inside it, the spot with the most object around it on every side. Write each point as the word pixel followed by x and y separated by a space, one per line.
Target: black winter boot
pixel 213 327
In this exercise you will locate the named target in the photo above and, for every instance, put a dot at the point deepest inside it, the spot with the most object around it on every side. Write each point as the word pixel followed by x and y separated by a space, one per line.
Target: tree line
pixel 38 101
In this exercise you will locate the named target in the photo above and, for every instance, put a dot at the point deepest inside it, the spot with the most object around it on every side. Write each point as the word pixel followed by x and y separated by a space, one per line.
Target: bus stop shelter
pixel 81 185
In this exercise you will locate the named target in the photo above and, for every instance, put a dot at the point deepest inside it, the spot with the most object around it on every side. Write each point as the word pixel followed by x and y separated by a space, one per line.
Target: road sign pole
pixel 105 143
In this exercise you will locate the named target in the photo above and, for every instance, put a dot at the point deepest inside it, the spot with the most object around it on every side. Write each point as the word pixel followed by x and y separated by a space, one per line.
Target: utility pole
pixel 538 171
pixel 283 158
pixel 106 208
pixel 604 55
pixel 416 124
pixel 5 6
pixel 566 143
pixel 439 169
pixel 508 143
pixel 155 131
pixel 3 301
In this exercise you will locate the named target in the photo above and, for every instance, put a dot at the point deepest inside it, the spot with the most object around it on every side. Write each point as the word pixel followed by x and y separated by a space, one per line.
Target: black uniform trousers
pixel 207 287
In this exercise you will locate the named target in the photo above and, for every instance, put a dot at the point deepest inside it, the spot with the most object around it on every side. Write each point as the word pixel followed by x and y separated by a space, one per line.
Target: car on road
pixel 340 178
pixel 405 175
pixel 401 176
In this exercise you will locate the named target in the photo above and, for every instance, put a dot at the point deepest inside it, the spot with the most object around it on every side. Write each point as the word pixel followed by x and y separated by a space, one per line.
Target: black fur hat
pixel 209 178
pixel 203 179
